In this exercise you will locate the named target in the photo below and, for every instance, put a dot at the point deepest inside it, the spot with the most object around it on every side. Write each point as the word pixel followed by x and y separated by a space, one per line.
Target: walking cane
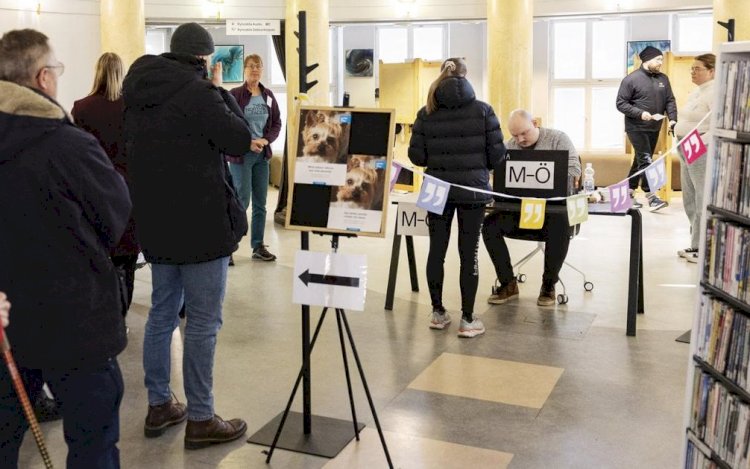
pixel 24 398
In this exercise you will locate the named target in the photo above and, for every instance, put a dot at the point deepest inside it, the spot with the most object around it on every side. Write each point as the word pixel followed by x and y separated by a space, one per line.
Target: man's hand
pixel 646 116
pixel 4 310
pixel 671 128
pixel 216 71
pixel 258 144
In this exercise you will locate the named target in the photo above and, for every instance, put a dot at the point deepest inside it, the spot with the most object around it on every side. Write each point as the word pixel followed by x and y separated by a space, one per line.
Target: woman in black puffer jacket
pixel 459 140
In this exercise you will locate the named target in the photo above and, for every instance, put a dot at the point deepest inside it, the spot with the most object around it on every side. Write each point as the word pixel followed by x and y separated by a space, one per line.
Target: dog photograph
pixel 324 136
pixel 364 186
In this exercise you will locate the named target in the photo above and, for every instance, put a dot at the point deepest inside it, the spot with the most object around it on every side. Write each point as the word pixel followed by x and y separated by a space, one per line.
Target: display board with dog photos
pixel 338 174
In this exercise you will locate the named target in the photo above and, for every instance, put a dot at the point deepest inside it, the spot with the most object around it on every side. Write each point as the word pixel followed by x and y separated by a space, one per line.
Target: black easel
pixel 334 434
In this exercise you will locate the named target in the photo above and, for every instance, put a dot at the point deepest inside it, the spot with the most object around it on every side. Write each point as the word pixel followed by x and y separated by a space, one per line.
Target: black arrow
pixel 307 277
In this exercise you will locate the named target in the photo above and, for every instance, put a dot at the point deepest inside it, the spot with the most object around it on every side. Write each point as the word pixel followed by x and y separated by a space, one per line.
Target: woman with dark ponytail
pixel 458 139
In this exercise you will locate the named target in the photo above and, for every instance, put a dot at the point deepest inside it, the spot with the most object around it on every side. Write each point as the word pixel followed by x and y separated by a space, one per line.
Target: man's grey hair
pixel 521 113
pixel 22 52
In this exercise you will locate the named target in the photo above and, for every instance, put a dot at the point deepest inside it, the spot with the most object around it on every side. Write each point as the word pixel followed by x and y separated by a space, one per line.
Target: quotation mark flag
pixel 578 209
pixel 433 195
pixel 620 197
pixel 692 146
pixel 532 214
pixel 395 171
pixel 657 174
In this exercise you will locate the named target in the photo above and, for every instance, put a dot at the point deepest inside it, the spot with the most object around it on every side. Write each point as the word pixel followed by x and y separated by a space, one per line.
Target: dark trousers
pixel 89 401
pixel 555 233
pixel 126 264
pixel 644 144
pixel 469 225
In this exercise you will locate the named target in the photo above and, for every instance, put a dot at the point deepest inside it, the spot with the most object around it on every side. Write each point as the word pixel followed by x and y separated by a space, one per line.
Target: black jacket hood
pixel 26 115
pixel 154 79
pixel 454 92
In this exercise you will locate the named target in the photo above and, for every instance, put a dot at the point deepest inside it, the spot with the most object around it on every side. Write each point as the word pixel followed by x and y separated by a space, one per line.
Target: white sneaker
pixel 692 258
pixel 439 319
pixel 471 329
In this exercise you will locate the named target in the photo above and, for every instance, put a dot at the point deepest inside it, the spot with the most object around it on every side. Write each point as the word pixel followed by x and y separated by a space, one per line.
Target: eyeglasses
pixel 697 69
pixel 60 66
pixel 255 67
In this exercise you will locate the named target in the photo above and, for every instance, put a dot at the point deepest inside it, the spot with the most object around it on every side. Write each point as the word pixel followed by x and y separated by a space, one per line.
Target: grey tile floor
pixel 619 402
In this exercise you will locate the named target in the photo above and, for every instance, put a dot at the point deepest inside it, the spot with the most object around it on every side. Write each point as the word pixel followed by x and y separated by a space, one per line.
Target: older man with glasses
pixel 62 206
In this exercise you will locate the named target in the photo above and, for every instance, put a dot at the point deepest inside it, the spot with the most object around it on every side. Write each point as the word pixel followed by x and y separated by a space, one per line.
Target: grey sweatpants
pixel 692 179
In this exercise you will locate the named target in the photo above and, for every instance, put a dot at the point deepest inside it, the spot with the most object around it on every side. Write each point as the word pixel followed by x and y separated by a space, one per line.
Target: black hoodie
pixel 460 142
pixel 177 128
pixel 62 207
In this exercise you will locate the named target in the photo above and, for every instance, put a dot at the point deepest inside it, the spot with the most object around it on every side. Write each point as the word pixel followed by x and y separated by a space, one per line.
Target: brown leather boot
pixel 212 432
pixel 546 295
pixel 162 416
pixel 505 293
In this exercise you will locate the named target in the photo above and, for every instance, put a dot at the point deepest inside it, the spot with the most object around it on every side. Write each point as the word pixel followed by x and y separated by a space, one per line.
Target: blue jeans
pixel 201 286
pixel 251 181
pixel 89 400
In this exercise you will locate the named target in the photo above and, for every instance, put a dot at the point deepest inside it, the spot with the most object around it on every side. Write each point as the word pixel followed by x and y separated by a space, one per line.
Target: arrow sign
pixel 337 280
pixel 329 279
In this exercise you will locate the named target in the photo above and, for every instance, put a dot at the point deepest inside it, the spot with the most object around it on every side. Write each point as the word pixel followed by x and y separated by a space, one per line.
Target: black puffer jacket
pixel 645 91
pixel 458 143
pixel 62 207
pixel 177 128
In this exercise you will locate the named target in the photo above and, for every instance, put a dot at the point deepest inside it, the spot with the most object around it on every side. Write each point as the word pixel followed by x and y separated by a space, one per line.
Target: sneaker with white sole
pixel 471 329
pixel 655 203
pixel 685 253
pixel 439 319
pixel 261 253
pixel 692 258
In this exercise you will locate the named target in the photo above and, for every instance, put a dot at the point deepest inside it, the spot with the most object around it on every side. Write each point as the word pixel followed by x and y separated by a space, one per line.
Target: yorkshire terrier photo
pixel 363 188
pixel 321 138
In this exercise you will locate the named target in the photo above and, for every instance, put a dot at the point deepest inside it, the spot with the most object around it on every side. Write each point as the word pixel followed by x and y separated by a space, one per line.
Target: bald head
pixel 522 128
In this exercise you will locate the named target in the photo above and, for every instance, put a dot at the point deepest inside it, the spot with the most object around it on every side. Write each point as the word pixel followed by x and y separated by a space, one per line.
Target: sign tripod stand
pixel 335 434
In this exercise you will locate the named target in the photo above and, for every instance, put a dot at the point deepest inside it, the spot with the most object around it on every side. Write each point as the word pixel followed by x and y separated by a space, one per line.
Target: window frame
pixel 587 83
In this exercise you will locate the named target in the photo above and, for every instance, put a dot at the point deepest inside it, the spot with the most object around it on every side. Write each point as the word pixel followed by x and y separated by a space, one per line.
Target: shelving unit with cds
pixel 718 407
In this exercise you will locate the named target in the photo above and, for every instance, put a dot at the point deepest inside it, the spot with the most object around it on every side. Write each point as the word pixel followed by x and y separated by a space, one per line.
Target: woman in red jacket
pixel 101 113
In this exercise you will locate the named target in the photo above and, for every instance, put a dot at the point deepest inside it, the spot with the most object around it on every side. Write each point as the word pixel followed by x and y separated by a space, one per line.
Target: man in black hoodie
pixel 178 125
pixel 643 97
pixel 62 207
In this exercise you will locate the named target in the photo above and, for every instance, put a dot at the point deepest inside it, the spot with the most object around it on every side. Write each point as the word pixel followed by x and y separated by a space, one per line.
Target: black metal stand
pixel 293 430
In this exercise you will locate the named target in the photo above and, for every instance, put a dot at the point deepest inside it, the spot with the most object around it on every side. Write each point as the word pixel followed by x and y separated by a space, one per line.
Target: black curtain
pixel 279 45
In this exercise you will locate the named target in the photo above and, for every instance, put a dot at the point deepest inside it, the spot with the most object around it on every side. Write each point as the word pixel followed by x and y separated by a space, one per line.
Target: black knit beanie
pixel 192 39
pixel 649 53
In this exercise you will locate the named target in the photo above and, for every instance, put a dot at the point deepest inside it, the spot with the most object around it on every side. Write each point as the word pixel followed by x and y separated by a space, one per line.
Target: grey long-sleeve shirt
pixel 551 139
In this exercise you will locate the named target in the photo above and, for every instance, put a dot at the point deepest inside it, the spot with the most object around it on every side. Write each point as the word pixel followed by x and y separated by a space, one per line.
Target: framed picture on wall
pixel 636 47
pixel 231 58
pixel 359 62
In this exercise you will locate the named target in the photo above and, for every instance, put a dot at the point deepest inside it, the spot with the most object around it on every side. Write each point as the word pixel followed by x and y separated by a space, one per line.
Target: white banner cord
pixel 508 196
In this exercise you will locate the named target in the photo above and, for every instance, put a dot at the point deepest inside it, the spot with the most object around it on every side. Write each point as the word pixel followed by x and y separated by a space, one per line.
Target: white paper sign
pixel 343 217
pixel 307 171
pixel 253 27
pixel 329 279
pixel 411 220
pixel 530 174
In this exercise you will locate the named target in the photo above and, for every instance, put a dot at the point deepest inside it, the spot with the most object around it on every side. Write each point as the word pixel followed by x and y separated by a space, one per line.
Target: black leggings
pixel 470 218
pixel 644 143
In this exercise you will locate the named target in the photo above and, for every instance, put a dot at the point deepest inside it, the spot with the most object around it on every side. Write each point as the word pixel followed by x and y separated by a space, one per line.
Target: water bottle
pixel 588 179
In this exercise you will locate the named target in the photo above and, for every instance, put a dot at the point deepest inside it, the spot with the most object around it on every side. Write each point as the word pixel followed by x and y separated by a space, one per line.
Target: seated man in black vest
pixel 527 135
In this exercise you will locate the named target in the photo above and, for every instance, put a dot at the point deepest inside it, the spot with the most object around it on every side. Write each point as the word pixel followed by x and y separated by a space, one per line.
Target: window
pixel 570 42
pixel 393 44
pixel 694 33
pixel 588 64
pixel 156 41
pixel 428 42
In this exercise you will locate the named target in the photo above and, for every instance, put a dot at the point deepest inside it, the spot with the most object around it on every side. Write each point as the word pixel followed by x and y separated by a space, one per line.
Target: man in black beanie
pixel 178 125
pixel 643 96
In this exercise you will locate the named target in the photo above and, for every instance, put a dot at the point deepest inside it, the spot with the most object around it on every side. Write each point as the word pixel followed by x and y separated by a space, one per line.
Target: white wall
pixel 73 29
pixel 469 40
